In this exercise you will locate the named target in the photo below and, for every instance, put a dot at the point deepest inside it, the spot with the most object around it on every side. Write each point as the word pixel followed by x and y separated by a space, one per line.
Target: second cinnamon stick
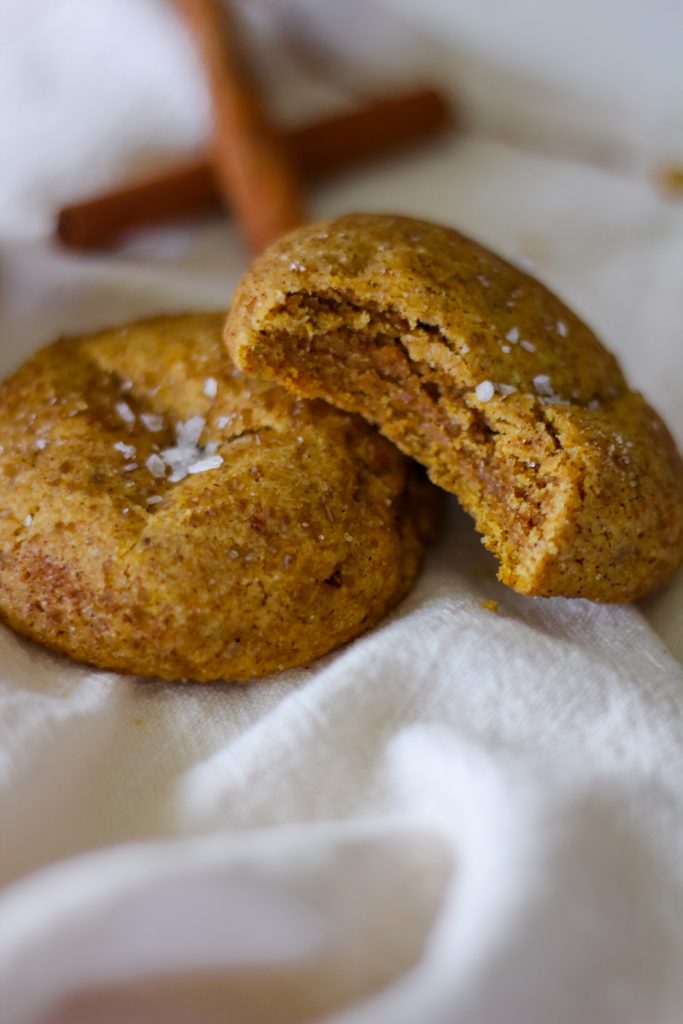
pixel 318 150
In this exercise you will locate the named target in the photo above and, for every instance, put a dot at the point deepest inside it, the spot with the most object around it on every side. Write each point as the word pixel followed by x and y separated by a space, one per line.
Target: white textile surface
pixel 463 817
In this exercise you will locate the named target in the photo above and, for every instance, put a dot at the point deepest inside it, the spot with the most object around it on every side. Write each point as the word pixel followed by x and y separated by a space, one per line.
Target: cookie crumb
pixel 490 605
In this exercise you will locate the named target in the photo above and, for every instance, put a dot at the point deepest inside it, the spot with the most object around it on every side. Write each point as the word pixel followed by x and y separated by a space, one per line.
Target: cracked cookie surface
pixel 476 370
pixel 165 515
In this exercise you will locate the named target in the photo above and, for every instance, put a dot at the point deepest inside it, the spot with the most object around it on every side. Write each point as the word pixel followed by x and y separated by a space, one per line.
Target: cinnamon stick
pixel 253 171
pixel 181 191
pixel 319 149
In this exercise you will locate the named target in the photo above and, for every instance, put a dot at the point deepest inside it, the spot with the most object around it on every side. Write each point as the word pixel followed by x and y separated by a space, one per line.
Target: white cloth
pixel 464 817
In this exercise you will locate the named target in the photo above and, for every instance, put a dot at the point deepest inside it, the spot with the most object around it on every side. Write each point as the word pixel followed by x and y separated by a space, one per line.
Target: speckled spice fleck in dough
pixel 162 514
pixel 488 379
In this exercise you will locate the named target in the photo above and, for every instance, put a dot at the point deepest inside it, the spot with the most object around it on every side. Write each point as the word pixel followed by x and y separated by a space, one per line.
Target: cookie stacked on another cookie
pixel 479 372
pixel 165 515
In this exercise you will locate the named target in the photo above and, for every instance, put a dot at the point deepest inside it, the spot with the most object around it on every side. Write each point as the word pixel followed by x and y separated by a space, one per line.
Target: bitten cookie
pixel 487 378
pixel 164 515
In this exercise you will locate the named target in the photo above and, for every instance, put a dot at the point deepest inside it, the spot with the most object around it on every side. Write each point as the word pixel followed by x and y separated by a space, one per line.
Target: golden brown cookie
pixel 162 514
pixel 479 372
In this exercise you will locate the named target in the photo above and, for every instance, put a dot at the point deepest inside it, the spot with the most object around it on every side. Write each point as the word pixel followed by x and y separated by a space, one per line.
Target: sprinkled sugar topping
pixel 156 465
pixel 562 329
pixel 543 385
pixel 513 337
pixel 187 456
pixel 206 463
pixel 546 391
pixel 152 422
pixel 189 431
pixel 127 450
pixel 125 412
pixel 487 389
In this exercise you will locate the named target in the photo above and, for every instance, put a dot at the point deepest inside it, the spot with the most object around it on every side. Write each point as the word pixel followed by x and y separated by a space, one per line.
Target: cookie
pixel 162 514
pixel 479 372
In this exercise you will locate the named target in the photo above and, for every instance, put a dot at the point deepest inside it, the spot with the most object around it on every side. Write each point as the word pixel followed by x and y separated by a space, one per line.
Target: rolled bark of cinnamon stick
pixel 180 191
pixel 252 167
pixel 317 150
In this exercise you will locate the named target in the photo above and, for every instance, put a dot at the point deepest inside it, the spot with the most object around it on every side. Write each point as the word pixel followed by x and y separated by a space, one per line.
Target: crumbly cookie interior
pixel 561 484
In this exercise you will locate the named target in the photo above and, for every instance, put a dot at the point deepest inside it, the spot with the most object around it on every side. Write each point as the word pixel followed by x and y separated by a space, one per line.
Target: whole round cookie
pixel 164 515
pixel 479 372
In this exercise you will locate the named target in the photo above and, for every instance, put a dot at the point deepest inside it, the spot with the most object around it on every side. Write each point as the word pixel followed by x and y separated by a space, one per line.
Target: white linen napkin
pixel 464 817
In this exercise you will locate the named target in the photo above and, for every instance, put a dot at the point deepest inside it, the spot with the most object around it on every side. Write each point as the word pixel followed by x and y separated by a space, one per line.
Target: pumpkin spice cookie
pixel 479 372
pixel 164 515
